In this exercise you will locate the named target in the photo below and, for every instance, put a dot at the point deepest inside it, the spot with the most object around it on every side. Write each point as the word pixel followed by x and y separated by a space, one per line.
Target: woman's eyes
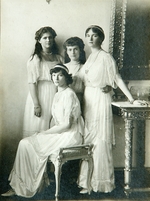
pixel 72 50
pixel 60 75
pixel 50 38
pixel 94 35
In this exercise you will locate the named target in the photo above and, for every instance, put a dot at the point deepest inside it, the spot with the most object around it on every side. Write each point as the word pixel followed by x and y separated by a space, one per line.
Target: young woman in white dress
pixel 74 60
pixel 99 72
pixel 37 113
pixel 26 176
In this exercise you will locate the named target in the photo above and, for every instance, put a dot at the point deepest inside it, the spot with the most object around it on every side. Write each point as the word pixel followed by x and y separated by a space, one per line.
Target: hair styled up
pixel 65 72
pixel 38 36
pixel 75 41
pixel 98 30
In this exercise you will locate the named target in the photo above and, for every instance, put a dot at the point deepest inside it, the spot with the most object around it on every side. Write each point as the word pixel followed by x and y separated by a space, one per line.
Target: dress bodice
pixel 65 106
pixel 75 70
pixel 99 70
pixel 40 70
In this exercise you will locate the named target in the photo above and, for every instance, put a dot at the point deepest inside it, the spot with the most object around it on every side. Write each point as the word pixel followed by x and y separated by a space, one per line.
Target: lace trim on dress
pixel 105 186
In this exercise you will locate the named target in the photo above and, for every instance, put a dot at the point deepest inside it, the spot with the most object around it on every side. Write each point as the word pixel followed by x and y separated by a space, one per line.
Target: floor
pixel 70 191
pixel 113 199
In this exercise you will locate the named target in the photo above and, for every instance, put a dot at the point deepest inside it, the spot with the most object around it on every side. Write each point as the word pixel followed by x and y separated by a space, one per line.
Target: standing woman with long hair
pixel 99 74
pixel 37 114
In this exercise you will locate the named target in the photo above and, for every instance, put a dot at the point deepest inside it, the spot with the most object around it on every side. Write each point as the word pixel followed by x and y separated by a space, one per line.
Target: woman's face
pixel 73 52
pixel 46 40
pixel 59 79
pixel 93 39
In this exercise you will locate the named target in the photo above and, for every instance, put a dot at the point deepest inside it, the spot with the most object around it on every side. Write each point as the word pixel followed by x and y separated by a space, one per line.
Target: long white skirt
pixel 27 174
pixel 99 122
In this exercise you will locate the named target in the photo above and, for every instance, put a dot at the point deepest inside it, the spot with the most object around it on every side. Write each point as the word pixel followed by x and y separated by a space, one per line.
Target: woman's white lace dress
pixel 99 70
pixel 39 73
pixel 26 176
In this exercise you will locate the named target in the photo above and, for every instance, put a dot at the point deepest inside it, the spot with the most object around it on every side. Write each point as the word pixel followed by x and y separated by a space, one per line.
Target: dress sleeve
pixel 33 68
pixel 112 70
pixel 71 107
pixel 60 59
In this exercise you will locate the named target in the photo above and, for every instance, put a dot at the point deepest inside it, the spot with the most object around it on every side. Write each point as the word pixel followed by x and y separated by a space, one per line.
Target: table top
pixel 127 104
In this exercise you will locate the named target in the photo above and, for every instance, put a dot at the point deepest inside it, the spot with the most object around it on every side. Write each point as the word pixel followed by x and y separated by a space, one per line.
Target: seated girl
pixel 27 174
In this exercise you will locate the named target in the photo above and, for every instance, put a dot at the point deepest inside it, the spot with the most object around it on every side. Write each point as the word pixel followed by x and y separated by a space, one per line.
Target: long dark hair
pixel 75 41
pixel 64 70
pixel 38 47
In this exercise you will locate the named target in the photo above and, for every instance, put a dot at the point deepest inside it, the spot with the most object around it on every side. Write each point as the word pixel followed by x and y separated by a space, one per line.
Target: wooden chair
pixel 83 152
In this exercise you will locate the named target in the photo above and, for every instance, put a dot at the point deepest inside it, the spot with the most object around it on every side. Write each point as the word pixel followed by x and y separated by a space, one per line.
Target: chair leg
pixel 90 170
pixel 58 166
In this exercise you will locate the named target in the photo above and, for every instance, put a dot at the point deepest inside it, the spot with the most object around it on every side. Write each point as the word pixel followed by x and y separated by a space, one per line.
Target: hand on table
pixel 140 102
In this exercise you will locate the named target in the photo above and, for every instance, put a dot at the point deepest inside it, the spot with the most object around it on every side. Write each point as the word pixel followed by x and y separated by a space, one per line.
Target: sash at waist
pixel 44 80
pixel 90 86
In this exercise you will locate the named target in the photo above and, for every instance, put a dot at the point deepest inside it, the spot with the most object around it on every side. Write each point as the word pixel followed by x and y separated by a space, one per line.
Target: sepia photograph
pixel 75 100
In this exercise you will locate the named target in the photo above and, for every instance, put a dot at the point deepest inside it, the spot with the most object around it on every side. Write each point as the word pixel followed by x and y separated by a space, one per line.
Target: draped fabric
pixel 27 174
pixel 39 73
pixel 99 71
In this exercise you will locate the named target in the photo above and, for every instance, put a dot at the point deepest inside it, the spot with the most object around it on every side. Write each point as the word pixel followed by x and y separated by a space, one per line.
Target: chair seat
pixel 71 153
pixel 65 154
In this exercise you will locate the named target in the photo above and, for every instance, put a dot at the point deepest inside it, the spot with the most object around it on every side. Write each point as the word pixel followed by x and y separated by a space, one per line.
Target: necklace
pixel 91 63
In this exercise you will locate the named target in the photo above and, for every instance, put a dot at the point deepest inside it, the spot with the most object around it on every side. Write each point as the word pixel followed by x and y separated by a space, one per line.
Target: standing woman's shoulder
pixel 33 65
pixel 60 58
pixel 33 59
pixel 107 56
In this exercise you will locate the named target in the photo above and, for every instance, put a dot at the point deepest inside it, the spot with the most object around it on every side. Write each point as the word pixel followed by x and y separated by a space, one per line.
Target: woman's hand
pixel 37 111
pixel 34 95
pixel 140 102
pixel 106 89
